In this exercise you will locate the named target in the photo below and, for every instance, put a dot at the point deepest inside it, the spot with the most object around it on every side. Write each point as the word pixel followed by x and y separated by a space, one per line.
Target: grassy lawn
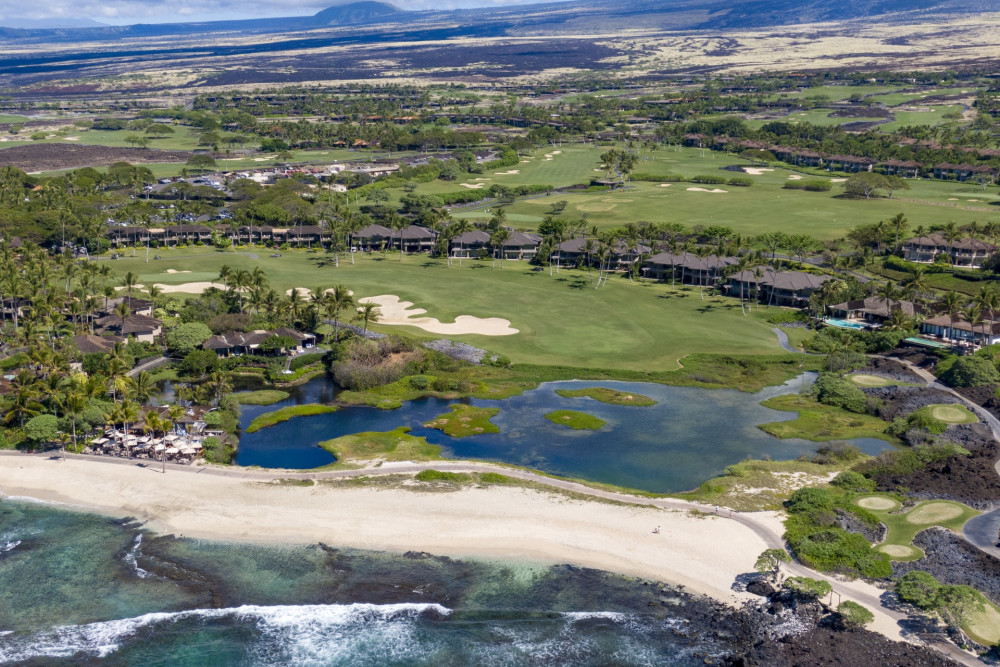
pixel 821 422
pixel 466 420
pixel 863 380
pixel 578 421
pixel 903 527
pixel 396 445
pixel 261 397
pixel 562 320
pixel 289 412
pixel 984 626
pixel 951 413
pixel 752 210
pixel 605 395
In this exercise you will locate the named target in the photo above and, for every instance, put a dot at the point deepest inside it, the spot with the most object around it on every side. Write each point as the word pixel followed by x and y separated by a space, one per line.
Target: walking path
pixel 858 591
pixel 982 532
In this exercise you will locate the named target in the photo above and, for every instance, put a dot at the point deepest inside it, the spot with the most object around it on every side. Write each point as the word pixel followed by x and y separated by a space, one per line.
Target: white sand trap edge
pixel 187 288
pixel 507 173
pixel 713 191
pixel 473 186
pixel 795 177
pixel 756 171
pixel 665 185
pixel 837 180
pixel 175 271
pixel 399 313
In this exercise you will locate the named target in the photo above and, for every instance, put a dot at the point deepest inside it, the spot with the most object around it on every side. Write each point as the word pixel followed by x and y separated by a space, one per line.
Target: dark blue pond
pixel 689 436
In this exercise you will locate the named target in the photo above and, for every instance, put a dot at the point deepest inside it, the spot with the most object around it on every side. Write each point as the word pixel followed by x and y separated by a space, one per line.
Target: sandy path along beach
pixel 698 549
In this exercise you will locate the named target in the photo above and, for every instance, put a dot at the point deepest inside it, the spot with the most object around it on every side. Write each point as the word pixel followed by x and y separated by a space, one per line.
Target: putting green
pixel 898 551
pixel 880 503
pixel 932 513
pixel 952 414
pixel 984 626
pixel 871 380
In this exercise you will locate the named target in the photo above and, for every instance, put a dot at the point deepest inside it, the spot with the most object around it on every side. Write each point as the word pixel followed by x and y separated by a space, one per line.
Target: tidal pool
pixel 689 436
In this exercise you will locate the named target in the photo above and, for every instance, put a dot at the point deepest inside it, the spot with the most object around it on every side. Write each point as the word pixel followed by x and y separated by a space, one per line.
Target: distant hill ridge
pixel 575 16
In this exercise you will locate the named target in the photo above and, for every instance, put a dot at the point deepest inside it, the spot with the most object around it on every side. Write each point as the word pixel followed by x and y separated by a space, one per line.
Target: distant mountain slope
pixel 575 16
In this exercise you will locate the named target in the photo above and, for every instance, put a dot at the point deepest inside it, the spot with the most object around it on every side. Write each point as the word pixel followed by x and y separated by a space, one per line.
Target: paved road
pixel 982 532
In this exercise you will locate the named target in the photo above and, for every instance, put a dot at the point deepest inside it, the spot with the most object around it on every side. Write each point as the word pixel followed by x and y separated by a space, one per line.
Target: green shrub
pixel 810 499
pixel 188 336
pixel 840 392
pixel 419 382
pixel 971 371
pixel 808 589
pixel 853 616
pixel 440 476
pixel 708 179
pixel 788 317
pixel 494 478
pixel 853 481
pixel 740 181
pixel 919 589
pixel 216 451
pixel 305 360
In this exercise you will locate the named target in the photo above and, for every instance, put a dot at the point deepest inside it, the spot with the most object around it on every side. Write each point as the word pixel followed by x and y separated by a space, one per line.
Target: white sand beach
pixel 703 553
pixel 397 312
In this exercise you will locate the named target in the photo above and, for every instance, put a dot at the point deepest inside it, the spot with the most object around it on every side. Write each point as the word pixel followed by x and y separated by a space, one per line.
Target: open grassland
pixel 261 397
pixel 286 413
pixel 563 320
pixel 904 526
pixel 466 420
pixel 821 422
pixel 748 210
pixel 605 395
pixel 396 445
pixel 577 421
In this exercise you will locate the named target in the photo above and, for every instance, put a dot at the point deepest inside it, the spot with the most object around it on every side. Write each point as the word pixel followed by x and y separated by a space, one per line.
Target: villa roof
pixel 937 240
pixel 88 343
pixel 521 239
pixel 416 232
pixel 876 306
pixel 134 324
pixel 373 231
pixel 475 236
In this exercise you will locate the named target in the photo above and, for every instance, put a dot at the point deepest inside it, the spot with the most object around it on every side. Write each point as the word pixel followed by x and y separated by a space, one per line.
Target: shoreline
pixel 695 548
pixel 702 553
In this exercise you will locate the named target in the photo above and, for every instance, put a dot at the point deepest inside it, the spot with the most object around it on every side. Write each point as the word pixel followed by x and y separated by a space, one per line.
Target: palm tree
pixel 22 401
pixel 916 284
pixel 973 314
pixel 338 299
pixel 73 403
pixel 220 384
pixel 129 281
pixel 950 304
pixel 143 386
pixel 369 312
pixel 989 302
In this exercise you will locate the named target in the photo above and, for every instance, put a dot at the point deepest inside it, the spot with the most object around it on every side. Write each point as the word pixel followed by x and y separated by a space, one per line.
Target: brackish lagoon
pixel 689 436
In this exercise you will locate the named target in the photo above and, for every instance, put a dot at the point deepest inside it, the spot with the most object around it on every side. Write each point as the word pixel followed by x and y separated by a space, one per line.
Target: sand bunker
pixel 396 312
pixel 713 191
pixel 897 551
pixel 795 177
pixel 931 513
pixel 665 185
pixel 507 173
pixel 473 186
pixel 175 271
pixel 187 288
pixel 877 503
pixel 756 171
pixel 837 180
pixel 952 198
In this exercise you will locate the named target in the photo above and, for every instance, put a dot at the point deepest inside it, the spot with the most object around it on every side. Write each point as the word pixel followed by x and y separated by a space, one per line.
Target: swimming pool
pixel 845 324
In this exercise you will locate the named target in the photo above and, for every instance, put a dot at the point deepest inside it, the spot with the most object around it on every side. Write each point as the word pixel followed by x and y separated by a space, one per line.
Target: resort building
pixel 849 163
pixel 902 168
pixel 414 239
pixel 144 329
pixel 237 342
pixel 577 251
pixel 521 246
pixel 967 252
pixel 776 288
pixel 943 327
pixel 687 268
pixel 873 310
pixel 470 244
pixel 372 237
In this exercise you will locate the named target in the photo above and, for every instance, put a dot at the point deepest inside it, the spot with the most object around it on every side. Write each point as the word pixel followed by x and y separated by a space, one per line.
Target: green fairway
pixel 903 527
pixel 820 422
pixel 952 414
pixel 748 210
pixel 562 319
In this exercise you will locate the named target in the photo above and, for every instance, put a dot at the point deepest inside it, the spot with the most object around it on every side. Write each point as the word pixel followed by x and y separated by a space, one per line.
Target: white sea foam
pixel 132 557
pixel 300 635
pixel 8 545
